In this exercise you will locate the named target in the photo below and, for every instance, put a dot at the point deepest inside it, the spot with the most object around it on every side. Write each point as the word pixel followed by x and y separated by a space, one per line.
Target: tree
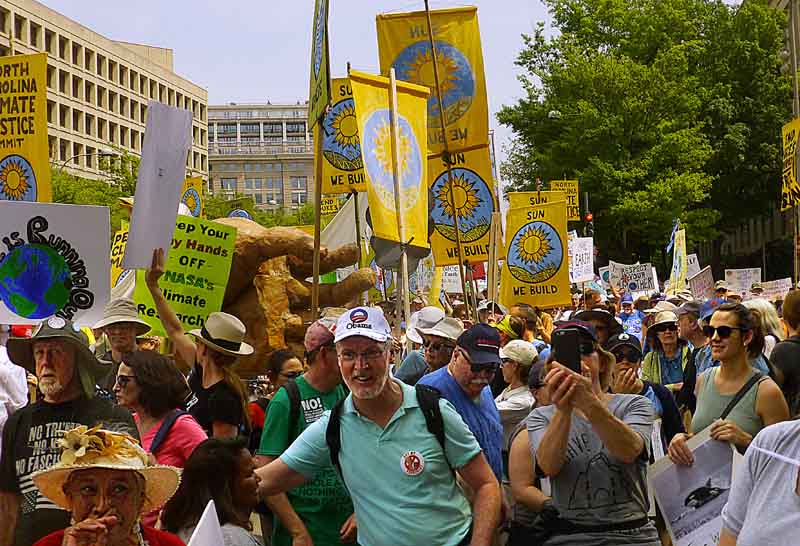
pixel 74 190
pixel 662 108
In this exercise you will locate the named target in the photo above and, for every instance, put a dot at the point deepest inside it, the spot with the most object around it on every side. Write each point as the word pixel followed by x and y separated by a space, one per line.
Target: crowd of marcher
pixel 523 427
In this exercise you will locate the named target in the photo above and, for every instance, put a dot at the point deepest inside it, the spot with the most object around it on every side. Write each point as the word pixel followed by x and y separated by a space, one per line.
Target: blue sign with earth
pixel 35 281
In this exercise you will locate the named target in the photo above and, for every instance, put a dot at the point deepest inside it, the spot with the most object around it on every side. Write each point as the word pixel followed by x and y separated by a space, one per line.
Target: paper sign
pixel 702 284
pixel 605 275
pixel 776 290
pixel 693 265
pixel 158 184
pixel 523 199
pixel 570 187
pixel 581 259
pixel 451 281
pixel 329 206
pixel 638 278
pixel 615 271
pixel 196 274
pixel 740 280
pixel 677 278
pixel 208 531
pixel 54 261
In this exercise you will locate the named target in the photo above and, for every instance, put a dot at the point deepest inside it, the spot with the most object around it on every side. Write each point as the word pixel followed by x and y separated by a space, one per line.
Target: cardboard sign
pixel 54 262
pixel 702 284
pixel 117 252
pixel 740 280
pixel 638 278
pixel 581 259
pixel 693 265
pixel 451 281
pixel 776 290
pixel 196 274
pixel 570 187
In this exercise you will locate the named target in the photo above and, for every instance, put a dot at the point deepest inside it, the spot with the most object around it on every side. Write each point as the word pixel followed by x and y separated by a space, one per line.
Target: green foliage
pixel 121 170
pixel 219 207
pixel 74 190
pixel 662 109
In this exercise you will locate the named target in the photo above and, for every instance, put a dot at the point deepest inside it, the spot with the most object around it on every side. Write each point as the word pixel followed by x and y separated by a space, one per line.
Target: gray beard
pixel 51 387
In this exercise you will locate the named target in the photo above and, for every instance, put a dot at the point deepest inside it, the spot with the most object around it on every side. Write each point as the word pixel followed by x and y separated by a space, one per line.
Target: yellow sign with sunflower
pixel 536 270
pixel 24 152
pixel 192 196
pixel 525 199
pixel 466 190
pixel 404 45
pixel 342 168
pixel 371 95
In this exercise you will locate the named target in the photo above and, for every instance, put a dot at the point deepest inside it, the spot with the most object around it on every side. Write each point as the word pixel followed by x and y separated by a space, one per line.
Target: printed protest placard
pixel 638 278
pixel 776 290
pixel 196 274
pixel 451 282
pixel 192 196
pixel 605 276
pixel 615 271
pixel 581 259
pixel 54 262
pixel 702 284
pixel 117 252
pixel 740 280
pixel 570 187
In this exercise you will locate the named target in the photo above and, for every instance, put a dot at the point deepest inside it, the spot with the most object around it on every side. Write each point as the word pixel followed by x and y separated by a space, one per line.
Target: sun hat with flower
pixel 84 448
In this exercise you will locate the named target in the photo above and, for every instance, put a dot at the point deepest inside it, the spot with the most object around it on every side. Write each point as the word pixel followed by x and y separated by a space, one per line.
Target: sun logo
pixel 13 181
pixel 459 195
pixel 345 127
pixel 420 70
pixel 534 245
pixel 190 201
pixel 383 149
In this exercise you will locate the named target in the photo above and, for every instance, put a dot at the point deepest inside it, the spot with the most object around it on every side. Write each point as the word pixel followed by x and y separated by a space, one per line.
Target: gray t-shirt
pixel 763 490
pixel 594 487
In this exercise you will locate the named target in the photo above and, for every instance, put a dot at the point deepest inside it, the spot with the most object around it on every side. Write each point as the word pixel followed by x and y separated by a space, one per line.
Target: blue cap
pixel 482 344
pixel 706 310
pixel 627 298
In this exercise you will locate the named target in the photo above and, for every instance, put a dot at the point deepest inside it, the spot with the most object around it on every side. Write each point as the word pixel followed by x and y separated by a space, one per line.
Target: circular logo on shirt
pixel 412 463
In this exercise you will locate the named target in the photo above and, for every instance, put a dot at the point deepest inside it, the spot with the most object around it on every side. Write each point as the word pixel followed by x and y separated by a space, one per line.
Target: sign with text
pixel 53 262
pixel 776 290
pixel 790 188
pixel 740 280
pixel 24 149
pixel 196 274
pixel 581 259
pixel 702 284
pixel 117 252
pixel 329 206
pixel 570 187
pixel 192 196
pixel 638 278
pixel 342 165
pixel 522 199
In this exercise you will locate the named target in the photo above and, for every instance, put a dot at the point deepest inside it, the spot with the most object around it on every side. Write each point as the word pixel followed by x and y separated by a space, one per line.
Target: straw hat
pixel 84 448
pixel 122 310
pixel 224 333
pixel 447 328
pixel 426 317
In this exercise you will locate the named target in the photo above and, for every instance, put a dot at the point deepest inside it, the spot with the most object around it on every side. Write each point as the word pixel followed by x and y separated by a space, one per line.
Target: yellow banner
pixel 329 206
pixel 435 295
pixel 192 197
pixel 342 168
pixel 319 87
pixel 470 195
pixel 371 95
pixel 680 263
pixel 536 270
pixel 570 187
pixel 403 43
pixel 790 190
pixel 117 253
pixel 24 153
pixel 526 199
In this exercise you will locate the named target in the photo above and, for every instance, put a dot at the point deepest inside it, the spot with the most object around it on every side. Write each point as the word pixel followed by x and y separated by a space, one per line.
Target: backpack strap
pixel 293 392
pixel 755 378
pixel 333 437
pixel 428 399
pixel 163 430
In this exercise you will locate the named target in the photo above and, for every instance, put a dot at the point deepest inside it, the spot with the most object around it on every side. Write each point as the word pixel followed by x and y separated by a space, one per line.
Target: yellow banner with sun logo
pixel 536 269
pixel 192 196
pixel 373 112
pixel 342 168
pixel 470 195
pixel 404 45
pixel 24 152
pixel 524 199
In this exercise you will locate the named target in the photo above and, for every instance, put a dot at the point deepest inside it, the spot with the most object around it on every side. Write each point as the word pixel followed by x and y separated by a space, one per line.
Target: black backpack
pixel 428 399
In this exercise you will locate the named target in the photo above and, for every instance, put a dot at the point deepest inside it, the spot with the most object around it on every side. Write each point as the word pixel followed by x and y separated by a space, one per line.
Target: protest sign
pixel 776 290
pixel 680 266
pixel 196 274
pixel 581 259
pixel 702 284
pixel 24 148
pixel 570 187
pixel 342 165
pixel 208 531
pixel 615 271
pixel 55 262
pixel 790 187
pixel 158 183
pixel 319 80
pixel 329 206
pixel 691 498
pixel 536 270
pixel 117 252
pixel 523 199
pixel 740 280
pixel 692 265
pixel 192 196
pixel 605 276
pixel 451 281
pixel 637 278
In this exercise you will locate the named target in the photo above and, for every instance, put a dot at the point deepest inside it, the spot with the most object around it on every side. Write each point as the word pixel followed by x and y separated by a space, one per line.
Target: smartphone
pixel 565 347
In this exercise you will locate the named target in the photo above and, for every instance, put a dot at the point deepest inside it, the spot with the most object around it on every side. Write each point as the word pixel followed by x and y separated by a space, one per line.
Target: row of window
pixel 296 183
pixel 268 128
pixel 75 154
pixel 263 113
pixel 258 167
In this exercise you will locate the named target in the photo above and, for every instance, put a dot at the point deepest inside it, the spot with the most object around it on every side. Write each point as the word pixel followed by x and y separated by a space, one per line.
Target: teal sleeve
pixel 275 436
pixel 459 442
pixel 309 454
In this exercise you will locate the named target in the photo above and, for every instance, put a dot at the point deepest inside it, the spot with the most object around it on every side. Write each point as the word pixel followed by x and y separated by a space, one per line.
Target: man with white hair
pixel 399 474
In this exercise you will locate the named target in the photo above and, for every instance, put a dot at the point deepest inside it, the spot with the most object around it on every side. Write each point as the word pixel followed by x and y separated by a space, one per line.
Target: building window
pixel 273 128
pixel 248 184
pixel 226 128
pixel 297 183
pixel 258 198
pixel 274 198
pixel 250 128
pixel 295 127
pixel 298 198
pixel 228 184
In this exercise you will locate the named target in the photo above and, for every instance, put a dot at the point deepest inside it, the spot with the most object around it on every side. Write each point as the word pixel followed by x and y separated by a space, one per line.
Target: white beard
pixel 51 387
pixel 367 393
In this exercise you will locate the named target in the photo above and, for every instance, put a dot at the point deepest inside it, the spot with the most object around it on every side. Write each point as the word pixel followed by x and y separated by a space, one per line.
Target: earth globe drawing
pixel 35 281
pixel 240 213
pixel 340 144
pixel 467 195
pixel 192 201
pixel 377 143
pixel 319 35
pixel 17 179
pixel 456 78
pixel 536 253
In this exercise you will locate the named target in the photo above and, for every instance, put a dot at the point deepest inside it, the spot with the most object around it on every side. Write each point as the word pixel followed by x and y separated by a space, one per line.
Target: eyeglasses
pixel 724 332
pixel 628 356
pixel 370 357
pixel 438 347
pixel 123 380
pixel 665 328
pixel 477 367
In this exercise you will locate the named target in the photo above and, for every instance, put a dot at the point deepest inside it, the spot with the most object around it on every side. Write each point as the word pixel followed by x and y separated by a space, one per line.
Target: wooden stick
pixel 317 219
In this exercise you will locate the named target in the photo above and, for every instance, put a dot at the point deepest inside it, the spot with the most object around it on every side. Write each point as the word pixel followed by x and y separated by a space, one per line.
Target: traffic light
pixel 588 218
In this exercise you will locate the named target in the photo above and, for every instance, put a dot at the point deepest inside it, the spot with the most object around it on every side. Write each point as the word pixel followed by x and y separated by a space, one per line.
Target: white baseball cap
pixel 363 321
pixel 519 351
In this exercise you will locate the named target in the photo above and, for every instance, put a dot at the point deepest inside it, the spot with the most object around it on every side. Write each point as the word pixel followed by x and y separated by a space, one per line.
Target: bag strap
pixel 755 378
pixel 163 430
pixel 293 393
pixel 333 437
pixel 428 399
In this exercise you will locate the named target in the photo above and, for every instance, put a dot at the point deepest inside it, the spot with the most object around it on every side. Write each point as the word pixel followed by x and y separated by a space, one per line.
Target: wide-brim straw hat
pixel 122 310
pixel 106 450
pixel 225 334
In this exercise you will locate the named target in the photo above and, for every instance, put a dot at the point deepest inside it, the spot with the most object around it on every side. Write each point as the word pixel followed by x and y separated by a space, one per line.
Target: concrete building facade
pixel 263 151
pixel 98 89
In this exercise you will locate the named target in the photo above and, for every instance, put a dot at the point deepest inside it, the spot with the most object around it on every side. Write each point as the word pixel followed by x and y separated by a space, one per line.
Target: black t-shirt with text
pixel 219 402
pixel 30 444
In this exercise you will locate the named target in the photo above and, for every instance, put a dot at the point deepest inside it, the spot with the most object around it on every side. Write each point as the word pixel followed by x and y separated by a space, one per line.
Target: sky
pixel 258 50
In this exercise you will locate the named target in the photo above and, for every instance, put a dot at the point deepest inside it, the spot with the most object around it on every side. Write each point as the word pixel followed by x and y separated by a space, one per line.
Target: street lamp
pixel 103 152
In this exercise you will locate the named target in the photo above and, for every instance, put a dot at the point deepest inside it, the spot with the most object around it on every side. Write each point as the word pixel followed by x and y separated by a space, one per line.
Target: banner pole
pixel 470 311
pixel 403 305
pixel 317 221
pixel 491 274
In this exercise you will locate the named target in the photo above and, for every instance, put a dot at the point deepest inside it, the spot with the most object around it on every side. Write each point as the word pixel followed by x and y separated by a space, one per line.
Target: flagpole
pixel 317 220
pixel 403 305
pixel 461 273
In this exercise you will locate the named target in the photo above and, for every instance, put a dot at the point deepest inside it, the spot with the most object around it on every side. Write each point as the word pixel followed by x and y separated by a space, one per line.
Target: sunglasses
pixel 724 332
pixel 476 367
pixel 438 347
pixel 665 328
pixel 628 356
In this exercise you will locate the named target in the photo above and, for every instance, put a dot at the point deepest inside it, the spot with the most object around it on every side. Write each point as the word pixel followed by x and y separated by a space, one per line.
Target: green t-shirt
pixel 322 503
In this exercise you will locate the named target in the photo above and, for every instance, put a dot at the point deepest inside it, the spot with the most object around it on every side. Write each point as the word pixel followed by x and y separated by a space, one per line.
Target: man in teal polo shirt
pixel 399 478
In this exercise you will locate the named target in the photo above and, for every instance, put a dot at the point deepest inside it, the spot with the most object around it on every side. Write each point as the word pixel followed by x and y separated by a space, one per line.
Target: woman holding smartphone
pixel 593 446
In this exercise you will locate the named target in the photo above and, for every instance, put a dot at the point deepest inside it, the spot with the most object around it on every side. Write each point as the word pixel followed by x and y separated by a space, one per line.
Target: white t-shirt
pixel 13 389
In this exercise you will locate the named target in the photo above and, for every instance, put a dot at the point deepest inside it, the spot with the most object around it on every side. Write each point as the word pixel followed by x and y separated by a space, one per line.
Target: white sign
pixel 702 284
pixel 451 282
pixel 740 280
pixel 615 271
pixel 776 290
pixel 693 265
pixel 581 259
pixel 208 531
pixel 162 171
pixel 638 278
pixel 54 261
pixel 605 275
